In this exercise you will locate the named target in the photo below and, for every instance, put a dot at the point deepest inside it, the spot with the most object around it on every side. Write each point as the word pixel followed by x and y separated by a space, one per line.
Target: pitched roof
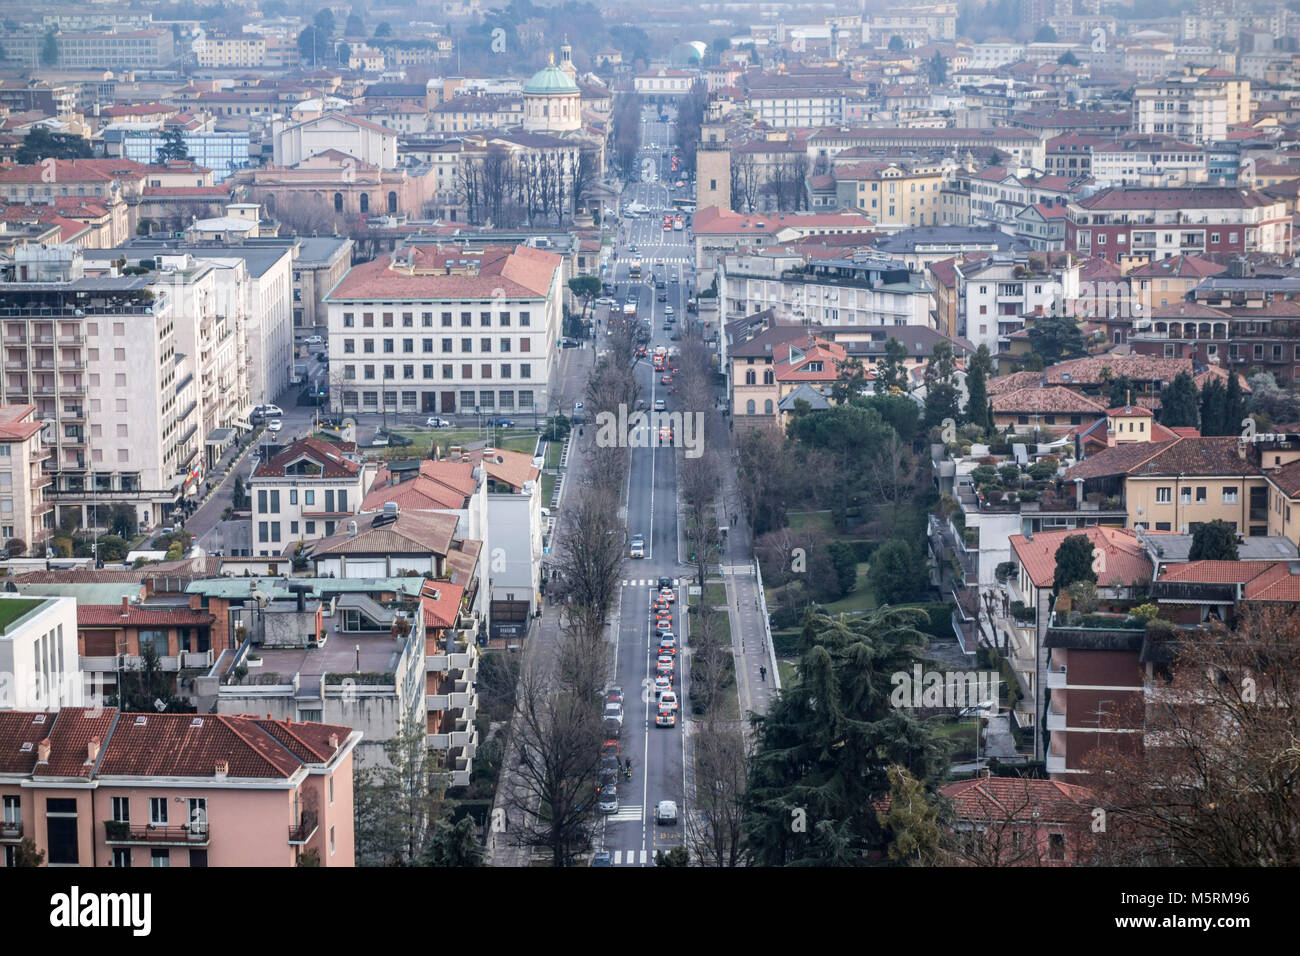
pixel 1181 266
pixel 1182 457
pixel 1010 383
pixel 521 272
pixel 315 450
pixel 1052 399
pixel 1139 368
pixel 440 601
pixel 1263 580
pixel 418 533
pixel 1020 799
pixel 112 615
pixel 1126 561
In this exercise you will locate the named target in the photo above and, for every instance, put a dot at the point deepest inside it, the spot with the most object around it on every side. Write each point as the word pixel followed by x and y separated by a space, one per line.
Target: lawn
pixel 961 734
pixel 715 595
pixel 512 439
pixel 860 598
pixel 553 451
pixel 815 520
pixel 11 609
pixel 548 489
pixel 788 669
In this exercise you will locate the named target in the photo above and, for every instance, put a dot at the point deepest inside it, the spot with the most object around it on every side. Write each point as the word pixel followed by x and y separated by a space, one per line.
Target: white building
pixel 446 329
pixel 361 139
pixel 995 292
pixel 1193 108
pixel 39 665
pixel 304 492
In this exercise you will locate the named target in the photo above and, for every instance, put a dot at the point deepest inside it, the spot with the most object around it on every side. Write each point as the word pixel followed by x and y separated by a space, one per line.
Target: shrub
pixel 1044 468
pixel 1083 596
pixel 14 547
pixel 1006 569
pixel 1029 494
pixel 1009 473
pixel 983 475
pixel 1145 612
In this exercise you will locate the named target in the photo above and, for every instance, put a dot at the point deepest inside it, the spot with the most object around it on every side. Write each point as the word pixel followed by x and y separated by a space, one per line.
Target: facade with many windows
pixel 446 329
pixel 303 493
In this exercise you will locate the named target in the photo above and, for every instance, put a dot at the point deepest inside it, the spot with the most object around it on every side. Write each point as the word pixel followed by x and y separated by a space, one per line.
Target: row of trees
pixel 508 190
pixel 626 128
pixel 783 183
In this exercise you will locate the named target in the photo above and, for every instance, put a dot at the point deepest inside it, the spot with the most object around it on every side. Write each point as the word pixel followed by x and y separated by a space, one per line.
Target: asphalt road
pixel 658 753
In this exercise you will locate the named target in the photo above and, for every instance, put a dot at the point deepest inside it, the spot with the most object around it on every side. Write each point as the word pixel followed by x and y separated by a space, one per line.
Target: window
pixel 426 345
pixel 331 791
pixel 446 320
pixel 157 639
pixel 331 841
pixel 121 856
pixel 466 320
pixel 160 857
pixel 158 811
pixel 1056 846
pixel 13 810
pixel 485 319
pixel 1185 496
pixel 1202 495
pixel 1164 495
pixel 61 830
pixel 1229 495
pixel 408 345
pixel 526 371
pixel 485 345
pixel 368 346
pixel 467 345
pixel 388 345
pixel 198 814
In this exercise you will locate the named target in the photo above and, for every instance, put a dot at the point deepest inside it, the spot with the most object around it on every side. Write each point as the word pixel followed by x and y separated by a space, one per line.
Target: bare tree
pixel 589 555
pixel 715 835
pixel 552 796
pixel 1015 830
pixel 1214 777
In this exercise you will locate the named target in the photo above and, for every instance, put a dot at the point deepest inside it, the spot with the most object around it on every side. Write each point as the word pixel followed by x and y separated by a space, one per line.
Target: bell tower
pixel 712 169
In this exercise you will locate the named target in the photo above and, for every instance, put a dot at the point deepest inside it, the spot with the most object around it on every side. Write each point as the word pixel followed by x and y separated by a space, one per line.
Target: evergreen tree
pixel 1073 562
pixel 395 803
pixel 1213 409
pixel 1179 407
pixel 324 21
pixel 911 821
pixel 1234 405
pixel 50 48
pixel 1213 541
pixel 942 397
pixel 825 749
pixel 897 573
pixel 355 26
pixel 978 407
pixel 454 844
pixel 1121 391
pixel 173 146
pixel 891 372
pixel 1055 338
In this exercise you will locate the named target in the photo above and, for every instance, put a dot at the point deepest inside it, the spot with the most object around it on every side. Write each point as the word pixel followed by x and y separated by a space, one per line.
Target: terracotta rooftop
pixel 112 615
pixel 1019 799
pixel 1264 581
pixel 311 450
pixel 493 272
pixel 1052 399
pixel 440 601
pixel 1185 457
pixel 1126 561
pixel 418 533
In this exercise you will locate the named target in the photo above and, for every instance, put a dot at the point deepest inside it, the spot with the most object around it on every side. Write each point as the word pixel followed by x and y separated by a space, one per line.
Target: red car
pixel 666 380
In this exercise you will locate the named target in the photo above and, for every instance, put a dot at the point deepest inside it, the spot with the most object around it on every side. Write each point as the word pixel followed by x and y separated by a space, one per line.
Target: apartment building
pixel 25 514
pixel 997 291
pixel 465 114
pixel 303 492
pixel 224 51
pixel 103 788
pixel 39 668
pixel 1148 161
pixel 1024 147
pixel 895 193
pixel 720 231
pixel 441 328
pixel 120 415
pixel 319 263
pixel 915 22
pixel 113 639
pixel 999 194
pixel 664 85
pixel 129 49
pixel 1140 224
pixel 1194 107
pixel 785 101
pixel 860 289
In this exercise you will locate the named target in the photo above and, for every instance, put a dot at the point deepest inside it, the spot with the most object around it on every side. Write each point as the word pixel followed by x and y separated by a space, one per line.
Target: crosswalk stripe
pixel 618 857
pixel 643 857
pixel 649 582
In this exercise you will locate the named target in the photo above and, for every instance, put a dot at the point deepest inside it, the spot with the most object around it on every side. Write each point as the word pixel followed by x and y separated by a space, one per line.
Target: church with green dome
pixel 552 100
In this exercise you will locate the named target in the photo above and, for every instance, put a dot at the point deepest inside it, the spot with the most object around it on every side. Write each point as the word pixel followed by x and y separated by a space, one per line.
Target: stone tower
pixel 713 169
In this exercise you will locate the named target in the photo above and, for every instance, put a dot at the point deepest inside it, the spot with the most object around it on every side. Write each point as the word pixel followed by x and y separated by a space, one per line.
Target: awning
pixel 220 437
pixel 242 423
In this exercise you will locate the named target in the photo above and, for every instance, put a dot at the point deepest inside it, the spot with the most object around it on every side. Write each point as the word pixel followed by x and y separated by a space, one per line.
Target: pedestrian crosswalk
pixel 646 582
pixel 626 813
pixel 630 857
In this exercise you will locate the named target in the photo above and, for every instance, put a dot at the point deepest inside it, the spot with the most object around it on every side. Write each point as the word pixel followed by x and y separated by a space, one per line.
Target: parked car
pixel 379 441
pixel 437 423
pixel 500 423
pixel 315 340
pixel 602 858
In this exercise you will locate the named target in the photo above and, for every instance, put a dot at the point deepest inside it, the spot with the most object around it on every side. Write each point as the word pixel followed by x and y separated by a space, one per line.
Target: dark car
pixel 601 858
pixel 500 423
pixel 665 582
pixel 395 438
pixel 662 297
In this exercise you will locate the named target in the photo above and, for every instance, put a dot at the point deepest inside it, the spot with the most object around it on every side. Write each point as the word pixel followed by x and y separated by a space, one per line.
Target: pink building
pixel 106 788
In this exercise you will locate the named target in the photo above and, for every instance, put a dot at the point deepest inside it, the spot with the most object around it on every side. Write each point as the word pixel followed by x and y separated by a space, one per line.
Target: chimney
pixel 221 769
pixel 43 751
pixel 92 750
pixel 126 606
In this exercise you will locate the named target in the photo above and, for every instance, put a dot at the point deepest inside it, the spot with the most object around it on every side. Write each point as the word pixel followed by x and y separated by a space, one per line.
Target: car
pixel 500 423
pixel 663 625
pixel 666 718
pixel 664 670
pixel 568 343
pixel 608 802
pixel 662 297
pixel 665 583
pixel 614 712
pixel 668 326
pixel 661 614
pixel 665 659
pixel 315 340
pixel 662 683
pixel 660 405
pixel 602 858
pixel 274 425
pixel 668 310
pixel 666 813
pixel 666 380
pixel 610 748
pixel 436 423
pixel 379 441
pixel 269 411
pixel 668 701
pixel 636 547
pixel 668 642
pixel 665 434
pixel 667 594
pixel 614 695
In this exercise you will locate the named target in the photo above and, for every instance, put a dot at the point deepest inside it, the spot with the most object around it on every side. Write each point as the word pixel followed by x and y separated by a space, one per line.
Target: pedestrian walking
pixel 762 673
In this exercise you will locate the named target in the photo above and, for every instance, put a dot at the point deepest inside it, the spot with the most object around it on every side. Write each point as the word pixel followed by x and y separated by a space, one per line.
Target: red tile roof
pixel 110 615
pixel 18 727
pixel 1051 400
pixel 315 450
pixel 1020 799
pixel 440 601
pixel 74 728
pixel 1126 561
pixel 521 272
pixel 1263 580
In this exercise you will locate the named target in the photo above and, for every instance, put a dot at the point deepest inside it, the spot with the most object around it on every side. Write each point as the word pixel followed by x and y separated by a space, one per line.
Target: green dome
pixel 550 82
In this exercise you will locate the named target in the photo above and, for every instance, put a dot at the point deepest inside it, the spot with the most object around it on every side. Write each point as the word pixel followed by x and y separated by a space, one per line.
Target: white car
pixel 274 425
pixel 614 712
pixel 315 340
pixel 662 685
pixel 668 310
pixel 608 802
pixel 437 423
pixel 379 441
pixel 668 700
pixel 666 812
pixel 666 718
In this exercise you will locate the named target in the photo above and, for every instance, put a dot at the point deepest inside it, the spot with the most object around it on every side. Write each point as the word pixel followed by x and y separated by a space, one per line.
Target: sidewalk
pixel 543 639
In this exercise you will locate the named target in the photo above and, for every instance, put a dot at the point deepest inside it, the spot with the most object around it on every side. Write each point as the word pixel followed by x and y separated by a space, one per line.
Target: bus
pixel 684 206
pixel 636 269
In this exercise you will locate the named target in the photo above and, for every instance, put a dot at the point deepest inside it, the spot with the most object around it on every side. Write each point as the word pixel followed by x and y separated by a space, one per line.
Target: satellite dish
pixel 159 704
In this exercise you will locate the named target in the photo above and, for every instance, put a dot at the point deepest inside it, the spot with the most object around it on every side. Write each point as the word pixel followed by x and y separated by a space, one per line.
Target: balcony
pixel 1056 678
pixel 303 830
pixel 1055 762
pixel 11 831
pixel 124 833
pixel 1055 719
